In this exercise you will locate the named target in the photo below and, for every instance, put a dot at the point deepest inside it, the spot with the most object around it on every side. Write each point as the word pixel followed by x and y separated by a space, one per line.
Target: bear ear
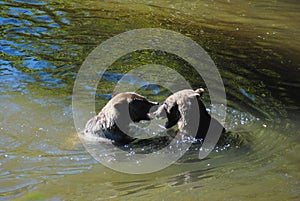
pixel 199 92
pixel 114 93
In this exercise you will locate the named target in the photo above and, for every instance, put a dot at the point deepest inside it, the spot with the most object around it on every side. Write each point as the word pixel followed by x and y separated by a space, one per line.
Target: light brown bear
pixel 113 120
pixel 181 108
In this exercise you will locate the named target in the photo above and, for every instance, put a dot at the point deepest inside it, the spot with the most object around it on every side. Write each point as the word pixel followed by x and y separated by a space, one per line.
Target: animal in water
pixel 113 120
pixel 185 109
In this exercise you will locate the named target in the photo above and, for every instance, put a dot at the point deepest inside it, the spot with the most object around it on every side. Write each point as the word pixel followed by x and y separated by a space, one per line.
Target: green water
pixel 254 44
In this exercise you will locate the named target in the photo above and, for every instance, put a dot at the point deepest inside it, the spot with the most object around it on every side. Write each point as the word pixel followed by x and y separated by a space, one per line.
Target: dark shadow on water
pixel 228 140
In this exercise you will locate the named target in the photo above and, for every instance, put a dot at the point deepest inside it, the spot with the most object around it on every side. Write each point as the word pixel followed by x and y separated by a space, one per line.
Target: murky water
pixel 255 45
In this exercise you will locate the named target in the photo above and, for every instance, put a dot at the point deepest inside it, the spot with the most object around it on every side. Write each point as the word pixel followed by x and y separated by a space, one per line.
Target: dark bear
pixel 180 108
pixel 113 120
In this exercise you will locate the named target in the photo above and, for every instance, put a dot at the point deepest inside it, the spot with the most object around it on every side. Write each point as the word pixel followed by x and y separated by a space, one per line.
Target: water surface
pixel 255 45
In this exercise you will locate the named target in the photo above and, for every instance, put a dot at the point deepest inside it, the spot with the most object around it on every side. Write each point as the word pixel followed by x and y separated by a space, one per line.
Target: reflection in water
pixel 255 46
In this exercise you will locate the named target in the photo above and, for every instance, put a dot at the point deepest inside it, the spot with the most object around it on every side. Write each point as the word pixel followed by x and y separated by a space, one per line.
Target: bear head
pixel 128 106
pixel 179 108
pixel 113 120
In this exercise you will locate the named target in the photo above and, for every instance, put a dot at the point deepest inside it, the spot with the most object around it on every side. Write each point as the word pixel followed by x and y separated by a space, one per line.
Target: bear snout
pixel 160 113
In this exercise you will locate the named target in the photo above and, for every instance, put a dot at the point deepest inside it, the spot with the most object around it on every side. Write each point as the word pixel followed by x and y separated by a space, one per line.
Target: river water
pixel 254 44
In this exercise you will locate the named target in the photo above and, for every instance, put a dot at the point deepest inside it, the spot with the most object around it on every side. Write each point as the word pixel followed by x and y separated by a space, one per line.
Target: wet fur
pixel 113 120
pixel 180 107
